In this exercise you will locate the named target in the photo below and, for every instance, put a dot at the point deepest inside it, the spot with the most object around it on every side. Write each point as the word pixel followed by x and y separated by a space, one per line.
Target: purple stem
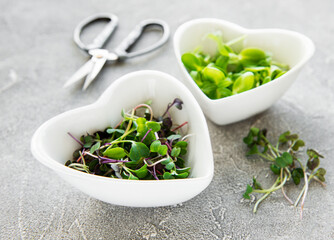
pixel 154 174
pixel 78 141
pixel 170 148
pixel 109 160
pixel 146 135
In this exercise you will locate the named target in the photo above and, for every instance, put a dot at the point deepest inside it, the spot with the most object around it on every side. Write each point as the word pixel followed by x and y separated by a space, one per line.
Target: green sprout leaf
pixel 93 164
pixel 112 130
pixel 95 147
pixel 321 172
pixel 283 137
pixel 183 145
pixel 299 143
pixel 280 162
pixel 115 153
pixel 168 175
pixel 157 147
pixel 132 177
pixel 313 163
pixel 170 166
pixel 249 190
pixel 176 151
pixel 138 150
pixel 297 174
pixel 174 137
pixel 141 125
pixel 213 75
pixel 153 125
pixel 287 158
pixel 191 62
pixel 183 170
pixel 313 154
pixel 88 141
pixel 243 83
pixel 256 184
pixel 141 172
pixel 275 169
pixel 254 150
pixel 252 54
pixel 182 175
pixel 292 137
pixel 166 161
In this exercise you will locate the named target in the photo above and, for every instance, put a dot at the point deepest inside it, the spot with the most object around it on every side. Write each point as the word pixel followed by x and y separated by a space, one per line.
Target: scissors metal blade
pixel 79 74
pixel 98 65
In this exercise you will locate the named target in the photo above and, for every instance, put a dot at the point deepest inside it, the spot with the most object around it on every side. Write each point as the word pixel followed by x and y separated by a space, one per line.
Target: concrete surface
pixel 37 56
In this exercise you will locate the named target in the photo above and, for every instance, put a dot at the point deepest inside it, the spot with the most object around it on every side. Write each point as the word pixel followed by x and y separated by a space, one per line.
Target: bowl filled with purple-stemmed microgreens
pixel 234 72
pixel 143 143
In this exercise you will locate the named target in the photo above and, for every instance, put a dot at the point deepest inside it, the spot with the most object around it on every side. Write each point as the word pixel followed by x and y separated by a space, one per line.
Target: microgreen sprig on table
pixel 141 146
pixel 285 163
pixel 228 73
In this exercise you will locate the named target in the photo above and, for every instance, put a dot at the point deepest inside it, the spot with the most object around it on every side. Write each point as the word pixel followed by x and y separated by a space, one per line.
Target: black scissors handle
pixel 103 36
pixel 122 51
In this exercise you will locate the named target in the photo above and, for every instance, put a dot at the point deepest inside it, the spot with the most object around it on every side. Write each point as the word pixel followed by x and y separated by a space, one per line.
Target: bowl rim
pixel 310 47
pixel 49 162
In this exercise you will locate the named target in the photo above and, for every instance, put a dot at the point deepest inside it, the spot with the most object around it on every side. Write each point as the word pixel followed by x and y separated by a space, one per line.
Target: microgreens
pixel 228 73
pixel 285 163
pixel 140 147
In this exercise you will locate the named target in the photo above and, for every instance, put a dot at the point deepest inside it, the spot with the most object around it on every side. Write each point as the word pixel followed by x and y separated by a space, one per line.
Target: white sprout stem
pixel 265 196
pixel 273 188
pixel 293 143
pixel 92 155
pixel 151 165
pixel 186 136
pixel 284 194
pixel 260 200
pixel 148 107
pixel 304 195
pixel 272 152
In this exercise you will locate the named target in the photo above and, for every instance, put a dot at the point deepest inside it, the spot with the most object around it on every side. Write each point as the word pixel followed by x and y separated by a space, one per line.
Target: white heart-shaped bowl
pixel 52 146
pixel 287 47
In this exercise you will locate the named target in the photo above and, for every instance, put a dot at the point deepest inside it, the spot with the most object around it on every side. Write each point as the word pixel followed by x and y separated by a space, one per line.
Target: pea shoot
pixel 228 73
pixel 140 147
pixel 285 162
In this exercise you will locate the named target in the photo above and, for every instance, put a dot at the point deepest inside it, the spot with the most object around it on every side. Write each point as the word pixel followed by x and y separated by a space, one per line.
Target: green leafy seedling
pixel 139 150
pixel 191 62
pixel 248 191
pixel 115 153
pixel 158 148
pixel 243 83
pixel 95 147
pixel 176 151
pixel 284 163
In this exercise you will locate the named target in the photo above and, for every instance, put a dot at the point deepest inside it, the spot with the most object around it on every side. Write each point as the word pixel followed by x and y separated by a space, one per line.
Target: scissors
pixel 99 55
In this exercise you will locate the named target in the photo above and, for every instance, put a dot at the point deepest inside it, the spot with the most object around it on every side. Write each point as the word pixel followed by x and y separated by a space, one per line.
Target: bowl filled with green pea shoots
pixel 234 72
pixel 143 143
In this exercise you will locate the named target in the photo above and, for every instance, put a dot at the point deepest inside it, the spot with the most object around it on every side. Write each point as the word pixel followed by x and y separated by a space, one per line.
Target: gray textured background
pixel 37 55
